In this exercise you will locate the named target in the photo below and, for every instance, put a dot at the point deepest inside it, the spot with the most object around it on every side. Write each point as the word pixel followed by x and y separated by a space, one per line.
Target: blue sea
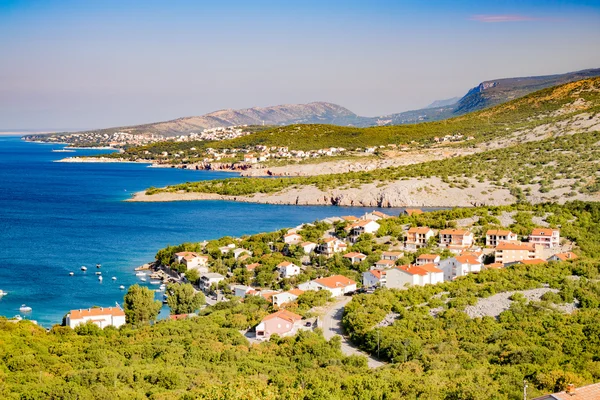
pixel 56 217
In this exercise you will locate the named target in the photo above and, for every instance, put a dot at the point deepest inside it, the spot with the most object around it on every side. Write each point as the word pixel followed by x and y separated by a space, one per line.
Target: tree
pixel 192 275
pixel 140 306
pixel 183 299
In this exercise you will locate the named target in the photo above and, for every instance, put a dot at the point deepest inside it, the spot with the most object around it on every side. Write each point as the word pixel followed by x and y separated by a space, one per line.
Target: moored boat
pixel 155 282
pixel 3 293
pixel 25 308
pixel 83 268
pixel 100 278
pixel 98 265
pixel 71 273
pixel 114 278
pixel 122 287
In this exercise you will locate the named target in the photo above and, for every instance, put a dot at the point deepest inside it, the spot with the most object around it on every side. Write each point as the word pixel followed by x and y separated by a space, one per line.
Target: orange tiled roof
pixel 589 392
pixel 377 273
pixel 413 270
pixel 250 267
pixel 355 255
pixel 430 267
pixel 380 214
pixel 419 229
pixel 467 260
pixel 285 315
pixel 413 211
pixel 335 281
pixel 428 256
pixel 386 262
pixel 569 255
pixel 494 266
pixel 296 292
pixel 515 246
pixel 542 232
pixel 291 234
pixel 392 253
pixel 349 218
pixel 498 232
pixel 533 261
pixel 284 264
pixel 454 232
pixel 96 312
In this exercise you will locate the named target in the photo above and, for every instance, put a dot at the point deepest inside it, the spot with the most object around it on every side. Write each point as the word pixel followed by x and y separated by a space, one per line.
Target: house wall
pixel 396 279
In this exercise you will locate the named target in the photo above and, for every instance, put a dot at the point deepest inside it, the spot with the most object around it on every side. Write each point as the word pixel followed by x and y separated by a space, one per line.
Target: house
pixel 477 254
pixel 241 290
pixel 405 275
pixel 428 259
pixel 392 255
pixel 459 266
pixel 239 252
pixel 546 237
pixel 510 252
pixel 532 261
pixel 308 247
pixel 563 256
pixel 287 269
pixel 355 257
pixel 331 246
pixel 589 392
pixel 417 237
pixel 226 249
pixel 384 264
pixel 365 226
pixel 336 284
pixel 413 211
pixel 252 267
pixel 192 260
pixel 292 238
pixel 494 266
pixel 243 257
pixel 376 216
pixel 279 299
pixel 349 218
pixel 100 316
pixel 374 277
pixel 456 239
pixel 434 274
pixel 282 323
pixel 495 236
pixel 206 280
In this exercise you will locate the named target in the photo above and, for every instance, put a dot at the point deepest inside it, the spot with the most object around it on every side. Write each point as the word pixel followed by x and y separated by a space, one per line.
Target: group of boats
pixel 99 274
pixel 24 308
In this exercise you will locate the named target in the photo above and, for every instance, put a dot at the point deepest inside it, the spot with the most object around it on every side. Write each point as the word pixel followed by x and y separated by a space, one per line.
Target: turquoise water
pixel 56 217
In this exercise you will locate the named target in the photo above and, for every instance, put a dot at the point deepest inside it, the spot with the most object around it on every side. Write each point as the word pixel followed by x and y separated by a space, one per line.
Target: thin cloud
pixel 487 18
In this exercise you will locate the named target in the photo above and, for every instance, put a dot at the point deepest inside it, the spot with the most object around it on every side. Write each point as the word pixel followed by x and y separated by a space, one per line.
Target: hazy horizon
pixel 86 65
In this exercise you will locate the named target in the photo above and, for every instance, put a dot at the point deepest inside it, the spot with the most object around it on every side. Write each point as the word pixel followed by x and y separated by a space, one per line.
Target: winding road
pixel 331 323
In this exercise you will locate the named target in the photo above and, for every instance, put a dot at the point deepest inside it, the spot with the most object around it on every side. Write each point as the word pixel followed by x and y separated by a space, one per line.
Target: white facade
pixel 102 317
pixel 374 278
pixel 459 266
pixel 287 269
pixel 545 237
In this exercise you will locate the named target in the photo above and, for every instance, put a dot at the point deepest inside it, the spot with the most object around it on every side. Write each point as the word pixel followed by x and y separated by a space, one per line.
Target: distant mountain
pixel 486 94
pixel 444 103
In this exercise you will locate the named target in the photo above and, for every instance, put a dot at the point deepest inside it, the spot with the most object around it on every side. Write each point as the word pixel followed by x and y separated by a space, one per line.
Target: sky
pixel 94 64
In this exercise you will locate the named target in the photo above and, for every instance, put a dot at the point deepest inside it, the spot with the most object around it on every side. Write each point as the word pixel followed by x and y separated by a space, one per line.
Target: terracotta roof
pixel 380 214
pixel 494 266
pixel 415 211
pixel 244 257
pixel 392 253
pixel 285 315
pixel 542 232
pixel 589 392
pixel 498 232
pixel 335 281
pixel 355 255
pixel 413 270
pixel 296 292
pixel 350 218
pixel 363 222
pixel 268 295
pixel 419 229
pixel 284 264
pixel 304 244
pixel 385 262
pixel 179 316
pixel 454 232
pixel 467 260
pixel 96 312
pixel 475 254
pixel 186 253
pixel 252 266
pixel 291 234
pixel 430 267
pixel 533 261
pixel 569 255
pixel 515 246
pixel 377 273
pixel 428 256
pixel 329 240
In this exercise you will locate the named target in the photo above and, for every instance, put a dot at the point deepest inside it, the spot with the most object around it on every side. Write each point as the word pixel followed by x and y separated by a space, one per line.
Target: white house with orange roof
pixel 392 255
pixel 434 274
pixel 292 238
pixel 459 266
pixel 192 260
pixel 456 239
pixel 350 218
pixel 330 246
pixel 355 257
pixel 376 216
pixel 478 254
pixel 308 247
pixel 569 255
pixel 374 277
pixel 417 237
pixel 495 236
pixel 252 267
pixel 100 316
pixel 545 237
pixel 280 299
pixel 427 259
pixel 287 269
pixel 385 264
pixel 282 323
pixel 510 252
pixel 338 285
pixel 405 275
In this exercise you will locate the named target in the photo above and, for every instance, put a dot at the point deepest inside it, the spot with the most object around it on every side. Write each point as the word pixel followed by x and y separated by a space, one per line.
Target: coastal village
pixel 337 257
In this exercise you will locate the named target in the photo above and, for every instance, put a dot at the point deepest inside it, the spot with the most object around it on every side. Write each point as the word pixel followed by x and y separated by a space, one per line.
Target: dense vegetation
pixel 527 112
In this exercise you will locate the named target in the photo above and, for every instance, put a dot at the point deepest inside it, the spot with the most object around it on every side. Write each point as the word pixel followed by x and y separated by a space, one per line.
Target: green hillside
pixel 527 112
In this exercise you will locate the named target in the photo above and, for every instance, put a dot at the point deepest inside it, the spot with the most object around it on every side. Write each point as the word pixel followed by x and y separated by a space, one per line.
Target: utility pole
pixel 524 390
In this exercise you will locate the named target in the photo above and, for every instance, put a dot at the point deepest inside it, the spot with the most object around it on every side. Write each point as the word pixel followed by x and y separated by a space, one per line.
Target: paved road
pixel 331 323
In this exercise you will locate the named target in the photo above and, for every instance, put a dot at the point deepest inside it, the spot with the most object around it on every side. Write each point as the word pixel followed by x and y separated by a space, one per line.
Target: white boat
pixel 155 282
pixel 71 273
pixel 62 151
pixel 25 308
pixel 3 293
pixel 98 265
pixel 83 268
pixel 140 274
pixel 122 287
pixel 100 278
pixel 114 278
pixel 98 273
pixel 143 279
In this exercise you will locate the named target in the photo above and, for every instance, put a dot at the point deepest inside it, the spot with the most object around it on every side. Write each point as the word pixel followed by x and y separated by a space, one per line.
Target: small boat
pixel 71 273
pixel 155 282
pixel 98 273
pixel 114 278
pixel 62 151
pixel 100 278
pixel 143 279
pixel 3 293
pixel 157 290
pixel 98 265
pixel 122 287
pixel 25 308
pixel 140 274
pixel 83 268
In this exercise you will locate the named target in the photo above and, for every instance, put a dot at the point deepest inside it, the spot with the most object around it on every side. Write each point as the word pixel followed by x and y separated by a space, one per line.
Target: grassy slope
pixel 571 157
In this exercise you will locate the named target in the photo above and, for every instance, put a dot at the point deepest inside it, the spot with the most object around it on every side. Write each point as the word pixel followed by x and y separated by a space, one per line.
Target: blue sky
pixel 85 64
